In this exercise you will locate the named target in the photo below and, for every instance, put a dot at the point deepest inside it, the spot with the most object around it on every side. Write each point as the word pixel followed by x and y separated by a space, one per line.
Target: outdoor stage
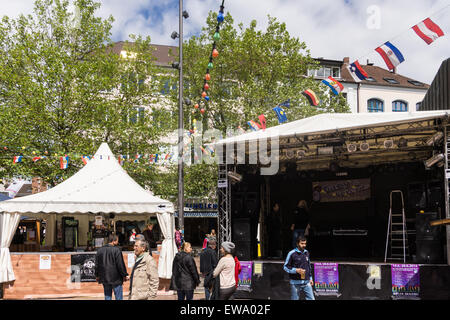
pixel 356 281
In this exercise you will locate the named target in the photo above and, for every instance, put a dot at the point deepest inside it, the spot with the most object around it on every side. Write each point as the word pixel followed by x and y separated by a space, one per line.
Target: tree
pixel 63 90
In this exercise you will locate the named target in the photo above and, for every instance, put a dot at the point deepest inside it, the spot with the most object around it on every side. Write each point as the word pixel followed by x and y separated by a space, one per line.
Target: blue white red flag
pixel 85 159
pixel 64 162
pixel 138 156
pixel 357 72
pixel 17 159
pixel 428 30
pixel 334 85
pixel 390 54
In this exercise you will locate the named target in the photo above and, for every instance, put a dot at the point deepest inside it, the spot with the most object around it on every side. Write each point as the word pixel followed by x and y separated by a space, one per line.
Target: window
pixel 391 81
pixel 418 105
pixel 336 72
pixel 370 79
pixel 416 83
pixel 399 106
pixel 375 105
pixel 137 114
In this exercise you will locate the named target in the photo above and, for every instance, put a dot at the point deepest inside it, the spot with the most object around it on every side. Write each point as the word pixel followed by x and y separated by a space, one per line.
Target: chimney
pixel 346 60
pixel 394 71
pixel 369 63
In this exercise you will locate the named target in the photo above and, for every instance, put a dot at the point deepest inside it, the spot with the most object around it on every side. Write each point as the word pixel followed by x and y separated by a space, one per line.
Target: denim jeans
pixel 118 291
pixel 207 293
pixel 306 288
pixel 295 235
pixel 188 294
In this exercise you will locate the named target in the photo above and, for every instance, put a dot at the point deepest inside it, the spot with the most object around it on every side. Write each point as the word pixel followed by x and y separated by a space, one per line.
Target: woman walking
pixel 185 276
pixel 226 269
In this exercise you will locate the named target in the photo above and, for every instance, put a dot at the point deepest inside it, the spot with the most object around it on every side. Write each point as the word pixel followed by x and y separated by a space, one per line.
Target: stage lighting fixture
pixel 364 146
pixel 388 144
pixel 433 160
pixel 236 177
pixel 290 154
pixel 185 14
pixel 301 154
pixel 352 147
pixel 174 35
pixel 324 150
pixel 435 138
pixel 175 65
pixel 187 101
pixel 402 143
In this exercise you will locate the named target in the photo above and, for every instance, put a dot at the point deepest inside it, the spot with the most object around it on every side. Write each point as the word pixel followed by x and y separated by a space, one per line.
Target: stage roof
pixel 335 122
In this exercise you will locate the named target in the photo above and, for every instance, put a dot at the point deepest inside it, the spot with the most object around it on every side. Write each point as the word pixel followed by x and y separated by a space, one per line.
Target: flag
pixel 286 104
pixel 262 121
pixel 36 159
pixel 203 150
pixel 138 156
pixel 120 159
pixel 428 30
pixel 85 159
pixel 311 96
pixel 280 114
pixel 357 72
pixel 390 54
pixel 210 149
pixel 241 130
pixel 253 125
pixel 153 158
pixel 17 159
pixel 334 85
pixel 64 162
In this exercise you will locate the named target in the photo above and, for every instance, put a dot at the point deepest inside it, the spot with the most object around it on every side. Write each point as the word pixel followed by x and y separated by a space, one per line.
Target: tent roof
pixel 332 122
pixel 101 186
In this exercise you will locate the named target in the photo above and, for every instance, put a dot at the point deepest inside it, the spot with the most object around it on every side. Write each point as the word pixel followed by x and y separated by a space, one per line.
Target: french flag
pixel 85 159
pixel 334 85
pixel 357 72
pixel 17 159
pixel 428 30
pixel 390 54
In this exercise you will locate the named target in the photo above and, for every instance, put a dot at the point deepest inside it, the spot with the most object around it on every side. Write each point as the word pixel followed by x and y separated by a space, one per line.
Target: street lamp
pixel 179 66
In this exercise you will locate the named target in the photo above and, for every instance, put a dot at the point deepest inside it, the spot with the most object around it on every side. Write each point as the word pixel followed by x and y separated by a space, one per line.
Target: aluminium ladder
pixel 396 233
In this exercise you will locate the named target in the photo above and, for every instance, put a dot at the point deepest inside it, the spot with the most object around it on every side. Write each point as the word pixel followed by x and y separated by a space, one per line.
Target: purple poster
pixel 326 278
pixel 405 280
pixel 245 277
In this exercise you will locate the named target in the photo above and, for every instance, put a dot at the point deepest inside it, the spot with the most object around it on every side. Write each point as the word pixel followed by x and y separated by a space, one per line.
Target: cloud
pixel 332 29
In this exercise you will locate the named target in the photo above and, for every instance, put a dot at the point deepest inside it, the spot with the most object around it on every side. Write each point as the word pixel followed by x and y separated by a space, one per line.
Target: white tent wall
pixel 8 226
pixel 168 248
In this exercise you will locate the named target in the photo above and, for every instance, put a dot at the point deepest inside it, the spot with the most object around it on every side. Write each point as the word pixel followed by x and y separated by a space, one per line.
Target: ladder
pixel 396 232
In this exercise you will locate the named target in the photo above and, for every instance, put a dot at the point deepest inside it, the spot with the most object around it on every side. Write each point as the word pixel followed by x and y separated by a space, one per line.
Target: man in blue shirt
pixel 298 266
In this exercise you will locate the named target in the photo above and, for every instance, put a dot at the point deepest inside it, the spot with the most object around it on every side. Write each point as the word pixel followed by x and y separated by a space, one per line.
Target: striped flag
pixel 17 159
pixel 138 156
pixel 335 86
pixel 85 159
pixel 262 121
pixel 286 103
pixel 357 72
pixel 311 96
pixel 428 31
pixel 64 162
pixel 390 54
pixel 253 125
pixel 36 159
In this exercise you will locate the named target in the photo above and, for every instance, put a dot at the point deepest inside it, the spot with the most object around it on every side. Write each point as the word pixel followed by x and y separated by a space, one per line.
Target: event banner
pixel 83 267
pixel 341 190
pixel 405 281
pixel 245 277
pixel 326 278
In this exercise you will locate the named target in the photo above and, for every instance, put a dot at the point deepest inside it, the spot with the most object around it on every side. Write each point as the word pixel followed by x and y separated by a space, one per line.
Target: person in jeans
pixel 185 276
pixel 144 279
pixel 208 261
pixel 110 268
pixel 226 269
pixel 298 266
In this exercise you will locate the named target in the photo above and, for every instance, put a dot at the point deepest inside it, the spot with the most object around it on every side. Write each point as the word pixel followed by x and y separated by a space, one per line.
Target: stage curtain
pixel 8 225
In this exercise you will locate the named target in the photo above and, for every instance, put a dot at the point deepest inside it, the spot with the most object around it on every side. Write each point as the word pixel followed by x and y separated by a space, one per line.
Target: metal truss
pixel 224 202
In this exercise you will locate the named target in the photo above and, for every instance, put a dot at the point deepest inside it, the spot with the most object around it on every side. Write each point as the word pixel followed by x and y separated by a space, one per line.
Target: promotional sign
pixel 341 190
pixel 83 267
pixel 405 281
pixel 98 220
pixel 245 277
pixel 326 278
pixel 45 262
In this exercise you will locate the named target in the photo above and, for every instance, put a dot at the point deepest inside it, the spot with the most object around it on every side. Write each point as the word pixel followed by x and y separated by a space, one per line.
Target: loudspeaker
pixel 237 205
pixel 251 204
pixel 424 231
pixel 243 250
pixel 241 230
pixel 429 251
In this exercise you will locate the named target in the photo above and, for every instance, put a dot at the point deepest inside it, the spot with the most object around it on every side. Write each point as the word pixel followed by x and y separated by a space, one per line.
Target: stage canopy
pixel 335 122
pixel 101 186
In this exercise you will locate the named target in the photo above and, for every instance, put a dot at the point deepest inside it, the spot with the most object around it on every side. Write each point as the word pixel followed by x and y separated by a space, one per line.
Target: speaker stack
pixel 241 236
pixel 428 244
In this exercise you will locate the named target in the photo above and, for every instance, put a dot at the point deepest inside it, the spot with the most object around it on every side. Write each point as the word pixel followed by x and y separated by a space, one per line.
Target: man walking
pixel 110 268
pixel 144 279
pixel 208 262
pixel 298 265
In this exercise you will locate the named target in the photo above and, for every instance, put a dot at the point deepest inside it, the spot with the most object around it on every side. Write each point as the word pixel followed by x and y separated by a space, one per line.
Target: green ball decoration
pixel 210 65
pixel 216 36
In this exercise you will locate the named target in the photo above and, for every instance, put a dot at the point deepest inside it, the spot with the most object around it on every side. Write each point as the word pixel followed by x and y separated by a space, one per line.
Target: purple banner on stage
pixel 326 278
pixel 245 277
pixel 405 280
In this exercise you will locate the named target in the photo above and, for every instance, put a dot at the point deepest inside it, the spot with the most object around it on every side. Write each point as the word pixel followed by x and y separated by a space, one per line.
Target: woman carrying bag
pixel 185 276
pixel 226 270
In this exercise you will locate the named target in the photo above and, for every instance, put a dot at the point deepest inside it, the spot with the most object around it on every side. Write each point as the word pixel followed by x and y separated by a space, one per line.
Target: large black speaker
pixel 251 204
pixel 237 205
pixel 429 251
pixel 243 250
pixel 241 230
pixel 424 231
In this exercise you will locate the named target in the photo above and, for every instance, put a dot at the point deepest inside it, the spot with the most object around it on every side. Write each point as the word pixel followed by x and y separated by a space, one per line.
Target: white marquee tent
pixel 101 186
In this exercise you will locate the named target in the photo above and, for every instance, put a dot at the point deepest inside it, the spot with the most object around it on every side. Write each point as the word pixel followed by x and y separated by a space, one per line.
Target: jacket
pixel 145 280
pixel 213 284
pixel 109 265
pixel 184 272
pixel 208 260
pixel 298 259
pixel 237 270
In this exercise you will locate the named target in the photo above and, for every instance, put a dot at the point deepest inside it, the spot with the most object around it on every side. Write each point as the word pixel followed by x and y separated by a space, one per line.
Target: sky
pixel 332 29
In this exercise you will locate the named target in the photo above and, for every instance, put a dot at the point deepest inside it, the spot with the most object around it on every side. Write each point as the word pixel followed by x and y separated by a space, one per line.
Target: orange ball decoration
pixel 215 53
pixel 207 77
pixel 203 94
pixel 206 86
pixel 196 106
pixel 202 111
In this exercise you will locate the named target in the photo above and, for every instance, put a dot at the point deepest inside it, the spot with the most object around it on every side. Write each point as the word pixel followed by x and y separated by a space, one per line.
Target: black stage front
pixel 354 283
